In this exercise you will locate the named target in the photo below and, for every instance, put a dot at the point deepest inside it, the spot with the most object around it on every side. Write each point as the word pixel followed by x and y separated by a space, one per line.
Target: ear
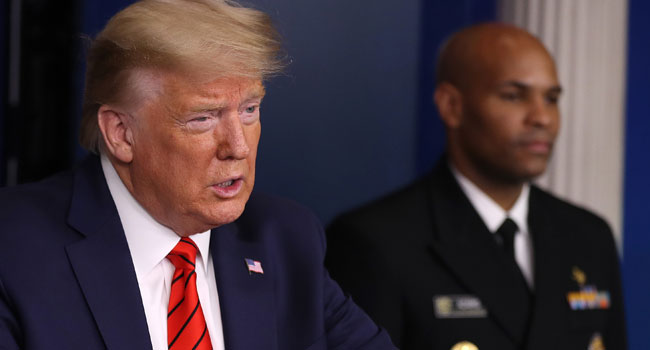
pixel 448 99
pixel 116 128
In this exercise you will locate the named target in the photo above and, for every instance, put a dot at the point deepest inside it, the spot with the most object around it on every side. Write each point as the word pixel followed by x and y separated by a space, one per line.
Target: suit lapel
pixel 246 299
pixel 468 249
pixel 102 262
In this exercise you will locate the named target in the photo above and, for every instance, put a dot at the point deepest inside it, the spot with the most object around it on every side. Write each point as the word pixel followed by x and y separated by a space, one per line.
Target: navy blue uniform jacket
pixel 67 280
pixel 401 255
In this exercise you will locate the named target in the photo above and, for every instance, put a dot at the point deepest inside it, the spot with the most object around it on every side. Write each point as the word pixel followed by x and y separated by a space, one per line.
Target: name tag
pixel 458 306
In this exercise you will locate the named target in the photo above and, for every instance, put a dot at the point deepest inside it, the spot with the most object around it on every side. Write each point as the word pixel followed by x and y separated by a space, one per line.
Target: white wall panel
pixel 588 40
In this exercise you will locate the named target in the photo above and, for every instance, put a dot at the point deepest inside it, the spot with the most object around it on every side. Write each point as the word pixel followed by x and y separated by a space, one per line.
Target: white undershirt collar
pixel 491 212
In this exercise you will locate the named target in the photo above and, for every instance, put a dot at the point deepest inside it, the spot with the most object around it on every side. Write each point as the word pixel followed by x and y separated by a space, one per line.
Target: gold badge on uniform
pixel 588 297
pixel 596 342
pixel 465 345
pixel 579 276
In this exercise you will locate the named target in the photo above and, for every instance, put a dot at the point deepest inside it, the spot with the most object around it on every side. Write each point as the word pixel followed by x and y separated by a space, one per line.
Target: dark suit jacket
pixel 426 242
pixel 67 280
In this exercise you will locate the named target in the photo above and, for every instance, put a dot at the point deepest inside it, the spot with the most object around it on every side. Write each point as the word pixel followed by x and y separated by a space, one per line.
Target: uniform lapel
pixel 550 270
pixel 470 252
pixel 102 262
pixel 246 298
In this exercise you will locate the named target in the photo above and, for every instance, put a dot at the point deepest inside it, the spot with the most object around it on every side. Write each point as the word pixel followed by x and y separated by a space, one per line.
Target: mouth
pixel 229 188
pixel 226 184
pixel 538 147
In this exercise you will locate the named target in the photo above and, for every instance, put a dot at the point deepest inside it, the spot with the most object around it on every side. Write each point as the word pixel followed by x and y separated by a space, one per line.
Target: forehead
pixel 226 88
pixel 512 59
pixel 177 92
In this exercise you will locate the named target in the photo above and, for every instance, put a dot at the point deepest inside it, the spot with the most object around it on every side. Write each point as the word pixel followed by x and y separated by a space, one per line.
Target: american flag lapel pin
pixel 254 266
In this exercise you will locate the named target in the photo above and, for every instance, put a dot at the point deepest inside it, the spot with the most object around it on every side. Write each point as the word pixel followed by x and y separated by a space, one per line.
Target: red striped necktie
pixel 186 327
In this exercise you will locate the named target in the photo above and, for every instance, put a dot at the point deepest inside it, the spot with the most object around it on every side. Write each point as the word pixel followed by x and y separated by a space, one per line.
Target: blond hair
pixel 201 38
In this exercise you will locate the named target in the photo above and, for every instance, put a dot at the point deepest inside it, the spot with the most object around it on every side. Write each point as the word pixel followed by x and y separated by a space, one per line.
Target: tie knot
pixel 506 236
pixel 508 228
pixel 183 256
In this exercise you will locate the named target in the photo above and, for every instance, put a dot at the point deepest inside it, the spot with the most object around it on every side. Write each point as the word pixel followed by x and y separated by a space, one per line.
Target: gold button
pixel 464 345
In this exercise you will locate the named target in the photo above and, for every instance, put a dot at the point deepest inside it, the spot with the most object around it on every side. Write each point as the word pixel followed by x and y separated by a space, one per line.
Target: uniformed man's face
pixel 195 146
pixel 510 115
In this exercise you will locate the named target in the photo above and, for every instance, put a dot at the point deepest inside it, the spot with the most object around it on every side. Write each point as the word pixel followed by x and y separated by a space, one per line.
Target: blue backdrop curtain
pixel 636 218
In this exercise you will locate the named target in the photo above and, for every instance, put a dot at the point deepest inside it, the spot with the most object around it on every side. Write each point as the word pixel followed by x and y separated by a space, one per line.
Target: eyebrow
pixel 519 85
pixel 207 107
pixel 257 92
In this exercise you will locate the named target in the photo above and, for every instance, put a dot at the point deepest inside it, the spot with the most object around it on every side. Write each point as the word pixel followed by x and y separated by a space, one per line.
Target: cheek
pixel 555 124
pixel 490 127
pixel 154 139
pixel 503 123
pixel 190 150
pixel 176 160
pixel 253 139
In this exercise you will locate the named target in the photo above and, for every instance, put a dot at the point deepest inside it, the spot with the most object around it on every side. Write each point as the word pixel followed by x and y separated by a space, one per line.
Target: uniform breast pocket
pixel 587 329
pixel 592 320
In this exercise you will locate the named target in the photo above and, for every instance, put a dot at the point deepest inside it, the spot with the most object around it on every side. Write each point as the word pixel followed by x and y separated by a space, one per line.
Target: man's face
pixel 510 114
pixel 194 151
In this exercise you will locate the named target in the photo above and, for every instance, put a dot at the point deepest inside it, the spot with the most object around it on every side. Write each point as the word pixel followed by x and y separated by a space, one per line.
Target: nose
pixel 542 113
pixel 232 143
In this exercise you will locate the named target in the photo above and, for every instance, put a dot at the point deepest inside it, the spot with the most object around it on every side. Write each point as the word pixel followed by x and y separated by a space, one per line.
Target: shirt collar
pixel 491 213
pixel 149 241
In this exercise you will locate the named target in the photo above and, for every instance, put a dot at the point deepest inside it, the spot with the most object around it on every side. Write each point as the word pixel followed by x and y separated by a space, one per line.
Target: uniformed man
pixel 473 256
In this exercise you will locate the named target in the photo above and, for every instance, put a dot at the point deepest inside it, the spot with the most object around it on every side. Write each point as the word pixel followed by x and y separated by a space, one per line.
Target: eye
pixel 201 123
pixel 250 114
pixel 552 99
pixel 510 95
pixel 200 119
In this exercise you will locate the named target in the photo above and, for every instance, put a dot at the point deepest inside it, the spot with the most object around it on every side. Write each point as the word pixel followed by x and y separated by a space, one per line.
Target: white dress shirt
pixel 149 243
pixel 493 216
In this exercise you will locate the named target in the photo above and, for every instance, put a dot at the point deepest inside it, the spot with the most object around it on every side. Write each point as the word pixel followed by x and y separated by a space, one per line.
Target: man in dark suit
pixel 157 242
pixel 472 256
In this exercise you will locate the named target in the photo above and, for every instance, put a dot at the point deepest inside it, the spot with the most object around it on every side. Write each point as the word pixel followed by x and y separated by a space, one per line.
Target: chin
pixel 530 167
pixel 223 217
pixel 532 173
